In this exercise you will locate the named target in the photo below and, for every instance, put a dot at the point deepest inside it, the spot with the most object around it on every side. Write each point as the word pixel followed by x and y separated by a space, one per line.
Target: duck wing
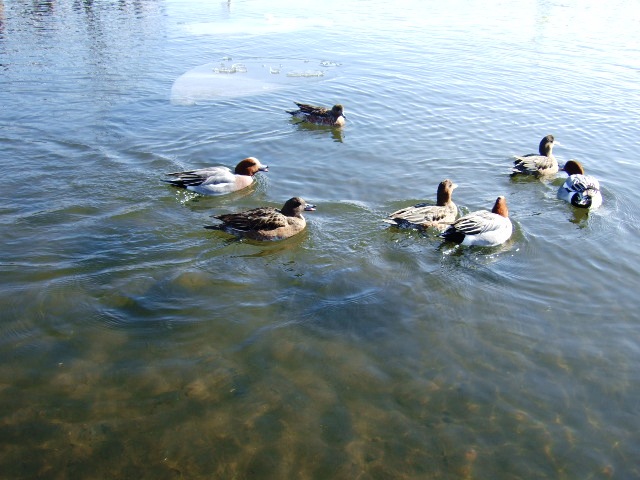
pixel 581 191
pixel 422 213
pixel 219 177
pixel 479 222
pixel 581 183
pixel 263 218
pixel 532 163
pixel 312 109
pixel 203 176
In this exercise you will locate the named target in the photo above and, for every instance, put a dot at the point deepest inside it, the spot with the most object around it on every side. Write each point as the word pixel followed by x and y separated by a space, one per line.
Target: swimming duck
pixel 443 213
pixel 482 228
pixel 580 190
pixel 266 223
pixel 218 180
pixel 319 115
pixel 543 164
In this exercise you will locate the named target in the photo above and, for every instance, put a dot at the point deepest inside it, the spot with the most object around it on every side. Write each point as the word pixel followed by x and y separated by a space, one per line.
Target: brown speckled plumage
pixel 266 223
pixel 542 164
pixel 319 115
pixel 423 215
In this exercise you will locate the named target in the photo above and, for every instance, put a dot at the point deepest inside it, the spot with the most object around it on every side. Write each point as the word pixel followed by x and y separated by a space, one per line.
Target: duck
pixel 482 228
pixel 266 223
pixel 218 180
pixel 578 189
pixel 319 115
pixel 424 215
pixel 542 164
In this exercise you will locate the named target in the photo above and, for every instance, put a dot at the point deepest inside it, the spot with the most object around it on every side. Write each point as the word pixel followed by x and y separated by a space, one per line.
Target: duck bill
pixel 310 208
pixel 264 168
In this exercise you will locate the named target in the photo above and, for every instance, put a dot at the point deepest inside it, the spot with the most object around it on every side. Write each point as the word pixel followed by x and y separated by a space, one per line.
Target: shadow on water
pixel 335 133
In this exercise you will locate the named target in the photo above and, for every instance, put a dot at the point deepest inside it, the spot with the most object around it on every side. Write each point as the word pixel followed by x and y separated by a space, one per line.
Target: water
pixel 136 344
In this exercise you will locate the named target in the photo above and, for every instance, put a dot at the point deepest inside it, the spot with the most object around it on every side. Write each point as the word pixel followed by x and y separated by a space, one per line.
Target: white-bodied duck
pixel 540 164
pixel 578 189
pixel 424 215
pixel 319 115
pixel 218 180
pixel 482 228
pixel 266 223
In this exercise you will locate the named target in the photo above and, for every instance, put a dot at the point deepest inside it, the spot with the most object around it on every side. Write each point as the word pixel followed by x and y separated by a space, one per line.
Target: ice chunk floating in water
pixel 231 78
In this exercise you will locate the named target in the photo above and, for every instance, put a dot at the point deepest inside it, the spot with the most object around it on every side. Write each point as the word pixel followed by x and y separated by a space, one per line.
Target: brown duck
pixel 425 215
pixel 266 223
pixel 319 115
pixel 543 164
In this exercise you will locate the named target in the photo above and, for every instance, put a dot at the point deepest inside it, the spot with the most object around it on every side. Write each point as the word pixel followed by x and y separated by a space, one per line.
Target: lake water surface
pixel 136 344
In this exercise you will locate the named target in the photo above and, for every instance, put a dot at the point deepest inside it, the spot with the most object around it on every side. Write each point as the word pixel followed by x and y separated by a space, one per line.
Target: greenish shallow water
pixel 136 344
